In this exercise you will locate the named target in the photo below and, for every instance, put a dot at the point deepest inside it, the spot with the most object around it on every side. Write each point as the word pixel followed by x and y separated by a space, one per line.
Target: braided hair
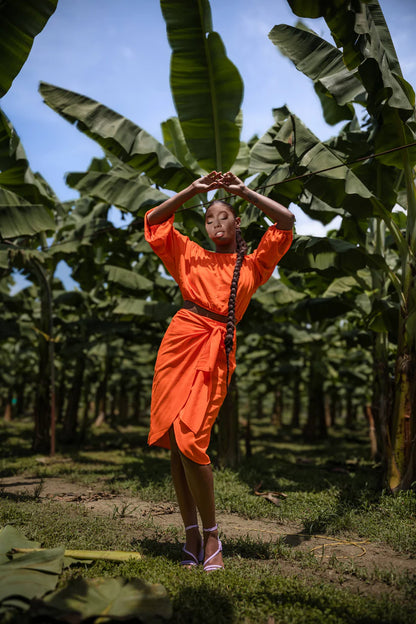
pixel 241 252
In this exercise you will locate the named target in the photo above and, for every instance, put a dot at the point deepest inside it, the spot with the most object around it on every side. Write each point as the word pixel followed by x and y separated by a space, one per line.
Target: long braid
pixel 229 337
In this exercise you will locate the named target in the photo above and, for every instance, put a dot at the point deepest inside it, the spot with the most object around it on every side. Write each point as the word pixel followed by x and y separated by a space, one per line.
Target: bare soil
pixel 371 556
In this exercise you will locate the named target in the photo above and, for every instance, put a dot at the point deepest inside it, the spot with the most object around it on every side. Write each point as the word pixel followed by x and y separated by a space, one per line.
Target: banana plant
pixel 25 199
pixel 207 92
pixel 366 72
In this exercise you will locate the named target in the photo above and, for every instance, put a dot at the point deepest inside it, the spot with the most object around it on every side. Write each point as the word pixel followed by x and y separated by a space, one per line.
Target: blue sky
pixel 116 52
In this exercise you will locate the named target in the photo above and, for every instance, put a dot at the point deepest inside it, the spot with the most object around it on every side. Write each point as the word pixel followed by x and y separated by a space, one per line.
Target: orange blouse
pixel 190 372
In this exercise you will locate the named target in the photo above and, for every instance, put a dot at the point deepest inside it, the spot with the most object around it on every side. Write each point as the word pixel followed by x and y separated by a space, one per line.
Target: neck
pixel 231 248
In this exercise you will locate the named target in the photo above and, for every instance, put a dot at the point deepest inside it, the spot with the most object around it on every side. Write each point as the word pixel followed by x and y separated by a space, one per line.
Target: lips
pixel 219 234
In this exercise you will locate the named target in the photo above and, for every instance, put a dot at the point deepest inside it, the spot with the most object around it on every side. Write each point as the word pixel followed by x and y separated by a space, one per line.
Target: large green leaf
pixel 275 146
pixel 323 63
pixel 24 220
pixel 361 30
pixel 119 136
pixel 20 22
pixel 15 173
pixel 329 256
pixel 23 577
pixel 278 293
pixel 86 224
pixel 11 538
pixel 317 209
pixel 122 186
pixel 155 310
pixel 331 181
pixel 115 598
pixel 207 88
pixel 174 140
pixel 128 279
pixel 316 309
pixel 242 161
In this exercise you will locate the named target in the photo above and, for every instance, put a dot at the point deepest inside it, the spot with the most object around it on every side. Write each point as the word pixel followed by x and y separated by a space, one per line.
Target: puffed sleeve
pixel 167 243
pixel 272 247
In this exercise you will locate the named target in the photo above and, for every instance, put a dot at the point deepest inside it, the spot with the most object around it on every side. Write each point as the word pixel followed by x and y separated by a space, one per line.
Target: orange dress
pixel 189 384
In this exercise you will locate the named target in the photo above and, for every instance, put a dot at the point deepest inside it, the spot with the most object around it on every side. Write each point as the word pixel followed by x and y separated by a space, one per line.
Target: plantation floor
pixel 334 549
pixel 146 521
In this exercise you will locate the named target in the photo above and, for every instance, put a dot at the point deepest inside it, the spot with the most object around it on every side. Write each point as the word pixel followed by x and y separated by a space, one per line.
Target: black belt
pixel 194 307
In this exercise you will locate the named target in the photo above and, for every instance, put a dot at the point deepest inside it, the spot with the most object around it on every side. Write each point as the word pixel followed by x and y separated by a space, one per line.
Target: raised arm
pixel 280 215
pixel 170 206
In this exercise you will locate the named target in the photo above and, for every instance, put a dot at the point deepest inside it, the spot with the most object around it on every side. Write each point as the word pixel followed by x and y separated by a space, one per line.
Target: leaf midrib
pixel 212 92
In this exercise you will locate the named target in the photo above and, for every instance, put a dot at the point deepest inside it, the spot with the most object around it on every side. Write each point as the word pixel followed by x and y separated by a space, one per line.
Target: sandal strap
pixel 213 566
pixel 192 561
pixel 191 526
pixel 219 549
pixel 214 528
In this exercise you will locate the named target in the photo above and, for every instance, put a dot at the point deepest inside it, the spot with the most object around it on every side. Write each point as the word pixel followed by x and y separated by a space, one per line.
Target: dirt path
pixel 369 555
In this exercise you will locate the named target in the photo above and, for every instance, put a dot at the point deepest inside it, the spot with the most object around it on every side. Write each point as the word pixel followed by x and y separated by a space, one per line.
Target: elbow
pixel 152 216
pixel 287 222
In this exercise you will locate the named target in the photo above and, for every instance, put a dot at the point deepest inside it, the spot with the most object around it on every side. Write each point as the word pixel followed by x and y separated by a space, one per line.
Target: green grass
pixel 253 588
pixel 332 488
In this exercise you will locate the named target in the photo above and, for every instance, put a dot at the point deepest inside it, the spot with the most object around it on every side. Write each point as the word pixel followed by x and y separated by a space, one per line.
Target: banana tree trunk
pixel 295 421
pixel 44 411
pixel 88 409
pixel 8 407
pixel 71 413
pixel 60 396
pixel 351 415
pixel 401 473
pixel 381 405
pixel 315 427
pixel 101 396
pixel 228 443
pixel 137 395
pixel 371 431
pixel 334 405
pixel 277 408
pixel 402 461
pixel 123 404
pixel 20 400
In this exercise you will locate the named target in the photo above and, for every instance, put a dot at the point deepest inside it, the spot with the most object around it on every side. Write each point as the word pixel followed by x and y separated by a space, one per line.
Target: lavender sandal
pixel 213 566
pixel 193 560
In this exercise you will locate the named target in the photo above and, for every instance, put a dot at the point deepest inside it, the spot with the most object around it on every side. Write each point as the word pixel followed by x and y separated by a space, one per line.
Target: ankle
pixel 210 533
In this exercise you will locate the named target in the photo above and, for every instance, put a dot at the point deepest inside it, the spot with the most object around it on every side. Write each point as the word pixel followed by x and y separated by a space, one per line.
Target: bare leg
pixel 200 486
pixel 186 502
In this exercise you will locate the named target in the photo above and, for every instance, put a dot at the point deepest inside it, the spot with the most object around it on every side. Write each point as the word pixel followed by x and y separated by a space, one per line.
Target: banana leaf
pixel 174 140
pixel 27 576
pixel 24 220
pixel 155 310
pixel 15 173
pixel 121 186
pixel 336 86
pixel 20 22
pixel 275 146
pixel 116 598
pixel 331 181
pixel 118 136
pixel 360 28
pixel 329 256
pixel 206 87
pixel 128 279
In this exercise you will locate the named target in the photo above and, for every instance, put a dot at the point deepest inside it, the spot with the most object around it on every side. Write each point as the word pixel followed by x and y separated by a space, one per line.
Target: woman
pixel 197 353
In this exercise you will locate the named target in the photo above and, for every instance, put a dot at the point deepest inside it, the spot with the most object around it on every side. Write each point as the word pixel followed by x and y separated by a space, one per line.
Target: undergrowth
pixel 330 488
